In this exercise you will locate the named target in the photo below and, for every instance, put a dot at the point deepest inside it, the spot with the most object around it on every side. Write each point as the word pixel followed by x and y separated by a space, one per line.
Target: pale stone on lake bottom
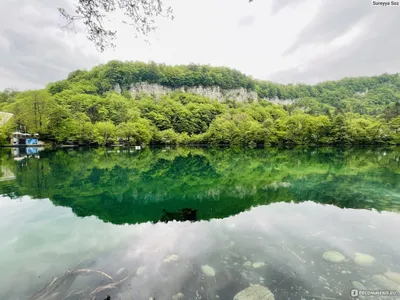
pixel 394 276
pixel 120 271
pixel 171 258
pixel 258 264
pixel 178 296
pixel 208 271
pixel 363 260
pixel 255 292
pixel 247 264
pixel 358 285
pixel 385 283
pixel 140 271
pixel 333 256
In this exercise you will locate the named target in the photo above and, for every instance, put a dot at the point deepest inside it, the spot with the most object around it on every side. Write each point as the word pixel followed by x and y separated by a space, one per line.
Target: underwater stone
pixel 259 264
pixel 140 271
pixel 358 285
pixel 333 256
pixel 171 258
pixel 255 292
pixel 363 260
pixel 394 276
pixel 120 271
pixel 385 283
pixel 247 264
pixel 208 271
pixel 178 296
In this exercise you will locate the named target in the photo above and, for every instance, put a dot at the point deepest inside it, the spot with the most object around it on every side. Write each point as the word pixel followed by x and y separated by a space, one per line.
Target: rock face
pixel 363 260
pixel 280 101
pixel 255 292
pixel 117 88
pixel 215 92
pixel 333 256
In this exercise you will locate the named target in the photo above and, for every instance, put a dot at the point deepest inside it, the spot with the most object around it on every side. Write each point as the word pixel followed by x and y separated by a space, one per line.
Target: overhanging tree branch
pixel 140 15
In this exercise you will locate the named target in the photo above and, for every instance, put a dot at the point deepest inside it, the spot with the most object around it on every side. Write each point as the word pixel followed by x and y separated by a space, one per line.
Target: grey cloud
pixel 246 21
pixel 32 49
pixel 334 19
pixel 374 52
pixel 278 5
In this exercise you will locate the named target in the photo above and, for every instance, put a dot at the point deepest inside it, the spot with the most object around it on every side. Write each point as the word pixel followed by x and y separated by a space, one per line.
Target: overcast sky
pixel 279 40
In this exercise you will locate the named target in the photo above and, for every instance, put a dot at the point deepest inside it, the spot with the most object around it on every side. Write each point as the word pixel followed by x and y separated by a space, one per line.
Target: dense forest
pixel 85 109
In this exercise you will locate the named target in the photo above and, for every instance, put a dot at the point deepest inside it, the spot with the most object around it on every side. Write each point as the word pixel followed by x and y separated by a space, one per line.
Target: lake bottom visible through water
pixel 173 224
pixel 280 246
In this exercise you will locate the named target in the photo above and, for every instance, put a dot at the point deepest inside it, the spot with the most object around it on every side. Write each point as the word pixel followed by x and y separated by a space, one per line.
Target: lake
pixel 199 223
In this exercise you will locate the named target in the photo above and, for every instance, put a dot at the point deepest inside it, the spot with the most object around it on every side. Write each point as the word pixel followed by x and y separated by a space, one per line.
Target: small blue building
pixel 23 139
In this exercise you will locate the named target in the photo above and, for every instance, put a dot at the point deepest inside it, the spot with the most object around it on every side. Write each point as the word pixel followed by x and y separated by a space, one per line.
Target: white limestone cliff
pixel 215 92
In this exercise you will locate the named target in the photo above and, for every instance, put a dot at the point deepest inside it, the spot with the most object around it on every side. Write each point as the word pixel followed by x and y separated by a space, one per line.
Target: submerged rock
pixel 333 256
pixel 363 260
pixel 385 283
pixel 258 264
pixel 394 276
pixel 171 258
pixel 255 292
pixel 178 296
pixel 208 271
pixel 358 285
pixel 140 271
pixel 120 271
pixel 247 264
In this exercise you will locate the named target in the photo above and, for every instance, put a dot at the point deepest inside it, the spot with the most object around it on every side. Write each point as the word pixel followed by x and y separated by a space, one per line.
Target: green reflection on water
pixel 128 186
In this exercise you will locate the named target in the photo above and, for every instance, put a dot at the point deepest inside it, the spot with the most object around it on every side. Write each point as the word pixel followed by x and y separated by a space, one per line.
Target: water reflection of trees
pixel 128 186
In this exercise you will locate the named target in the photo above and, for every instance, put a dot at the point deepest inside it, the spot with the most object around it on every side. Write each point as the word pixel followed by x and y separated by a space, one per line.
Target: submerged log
pixel 59 286
pixel 109 287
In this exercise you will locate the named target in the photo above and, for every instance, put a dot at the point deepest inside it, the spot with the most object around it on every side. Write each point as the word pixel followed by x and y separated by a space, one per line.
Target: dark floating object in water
pixel 184 214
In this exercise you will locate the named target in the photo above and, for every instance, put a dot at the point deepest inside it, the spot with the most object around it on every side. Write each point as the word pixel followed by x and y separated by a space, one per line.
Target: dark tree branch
pixel 140 15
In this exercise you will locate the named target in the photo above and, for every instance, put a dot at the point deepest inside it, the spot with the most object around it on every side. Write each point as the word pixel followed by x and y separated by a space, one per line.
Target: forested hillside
pixel 86 109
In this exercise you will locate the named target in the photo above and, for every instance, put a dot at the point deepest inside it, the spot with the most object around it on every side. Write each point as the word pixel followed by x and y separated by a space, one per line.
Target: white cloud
pixel 286 40
pixel 206 32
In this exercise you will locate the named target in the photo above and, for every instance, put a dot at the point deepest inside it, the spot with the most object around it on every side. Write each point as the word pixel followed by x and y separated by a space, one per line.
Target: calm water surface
pixel 206 223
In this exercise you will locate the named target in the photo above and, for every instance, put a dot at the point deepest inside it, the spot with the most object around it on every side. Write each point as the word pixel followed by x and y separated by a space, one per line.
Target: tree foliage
pixel 85 109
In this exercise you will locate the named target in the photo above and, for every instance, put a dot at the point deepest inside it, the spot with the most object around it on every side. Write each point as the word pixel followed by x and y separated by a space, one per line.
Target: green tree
pixel 104 132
